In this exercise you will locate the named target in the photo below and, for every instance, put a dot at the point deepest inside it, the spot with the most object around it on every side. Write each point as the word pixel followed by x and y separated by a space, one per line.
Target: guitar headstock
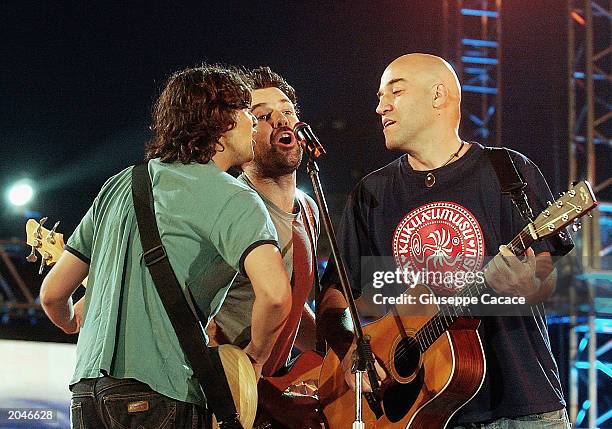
pixel 48 243
pixel 573 204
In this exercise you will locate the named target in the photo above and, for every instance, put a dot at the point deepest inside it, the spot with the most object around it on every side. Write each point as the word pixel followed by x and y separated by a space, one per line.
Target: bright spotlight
pixel 20 194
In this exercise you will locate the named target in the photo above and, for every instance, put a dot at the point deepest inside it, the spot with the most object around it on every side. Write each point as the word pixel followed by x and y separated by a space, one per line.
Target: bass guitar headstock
pixel 48 243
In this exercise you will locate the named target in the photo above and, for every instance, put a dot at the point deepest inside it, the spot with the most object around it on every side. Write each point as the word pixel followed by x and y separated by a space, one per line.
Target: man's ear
pixel 221 143
pixel 440 96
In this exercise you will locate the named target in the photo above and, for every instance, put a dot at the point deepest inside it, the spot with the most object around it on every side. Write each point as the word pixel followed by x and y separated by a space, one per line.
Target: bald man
pixel 437 211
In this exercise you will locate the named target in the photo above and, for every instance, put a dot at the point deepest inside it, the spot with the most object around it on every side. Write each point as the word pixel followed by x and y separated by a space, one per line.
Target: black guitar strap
pixel 510 180
pixel 205 361
pixel 512 184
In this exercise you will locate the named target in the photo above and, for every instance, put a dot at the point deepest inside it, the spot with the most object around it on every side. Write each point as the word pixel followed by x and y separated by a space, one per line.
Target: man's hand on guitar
pixel 257 365
pixel 508 274
pixel 349 376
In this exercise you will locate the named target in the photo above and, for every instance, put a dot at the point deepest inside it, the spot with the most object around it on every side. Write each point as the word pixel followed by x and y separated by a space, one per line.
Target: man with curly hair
pixel 130 367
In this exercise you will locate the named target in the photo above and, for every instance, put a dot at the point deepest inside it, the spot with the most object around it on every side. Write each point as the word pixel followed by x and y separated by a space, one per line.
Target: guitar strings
pixel 438 324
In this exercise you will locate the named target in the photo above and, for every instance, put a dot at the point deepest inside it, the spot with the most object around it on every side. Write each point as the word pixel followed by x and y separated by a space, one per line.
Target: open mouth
pixel 285 138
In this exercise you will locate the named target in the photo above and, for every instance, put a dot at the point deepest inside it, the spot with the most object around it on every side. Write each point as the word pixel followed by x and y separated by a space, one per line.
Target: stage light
pixel 20 193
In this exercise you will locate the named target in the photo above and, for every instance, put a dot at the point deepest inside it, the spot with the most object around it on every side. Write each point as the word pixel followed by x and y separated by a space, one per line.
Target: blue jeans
pixel 552 420
pixel 108 402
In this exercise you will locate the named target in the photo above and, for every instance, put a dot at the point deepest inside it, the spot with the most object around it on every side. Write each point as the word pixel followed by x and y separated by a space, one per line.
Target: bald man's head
pixel 428 70
pixel 417 93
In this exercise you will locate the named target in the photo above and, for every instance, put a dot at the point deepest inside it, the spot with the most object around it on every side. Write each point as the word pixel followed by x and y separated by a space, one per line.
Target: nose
pixel 279 119
pixel 384 106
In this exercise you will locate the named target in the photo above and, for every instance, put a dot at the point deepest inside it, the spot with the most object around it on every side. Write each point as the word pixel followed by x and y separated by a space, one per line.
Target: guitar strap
pixel 510 180
pixel 205 361
pixel 512 184
pixel 312 227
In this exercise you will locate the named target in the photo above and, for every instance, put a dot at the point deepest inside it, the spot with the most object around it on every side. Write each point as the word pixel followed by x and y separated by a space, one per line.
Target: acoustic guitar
pixel 434 360
pixel 288 399
pixel 236 364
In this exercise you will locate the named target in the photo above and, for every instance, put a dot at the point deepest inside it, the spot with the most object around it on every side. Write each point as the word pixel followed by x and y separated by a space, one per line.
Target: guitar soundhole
pixel 406 357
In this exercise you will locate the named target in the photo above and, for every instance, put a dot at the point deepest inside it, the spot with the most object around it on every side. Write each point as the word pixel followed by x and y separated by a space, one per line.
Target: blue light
pixel 475 119
pixel 602 366
pixel 583 343
pixel 603 418
pixel 605 207
pixel 479 42
pixel 476 70
pixel 480 89
pixel 582 75
pixel 479 60
pixel 478 12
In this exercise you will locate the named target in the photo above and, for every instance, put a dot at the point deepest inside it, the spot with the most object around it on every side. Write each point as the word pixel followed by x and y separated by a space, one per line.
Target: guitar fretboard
pixel 448 314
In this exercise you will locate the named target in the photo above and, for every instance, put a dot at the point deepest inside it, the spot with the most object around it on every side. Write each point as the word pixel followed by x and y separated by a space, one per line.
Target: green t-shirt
pixel 208 223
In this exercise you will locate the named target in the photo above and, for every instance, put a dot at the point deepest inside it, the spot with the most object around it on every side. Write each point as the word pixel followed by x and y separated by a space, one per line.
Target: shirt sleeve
pixel 80 242
pixel 243 224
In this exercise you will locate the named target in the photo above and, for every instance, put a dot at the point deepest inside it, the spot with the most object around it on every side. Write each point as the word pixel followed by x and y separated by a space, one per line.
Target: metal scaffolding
pixel 476 38
pixel 16 293
pixel 589 77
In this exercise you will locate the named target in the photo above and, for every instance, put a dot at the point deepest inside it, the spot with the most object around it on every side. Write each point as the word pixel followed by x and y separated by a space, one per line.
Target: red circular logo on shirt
pixel 438 240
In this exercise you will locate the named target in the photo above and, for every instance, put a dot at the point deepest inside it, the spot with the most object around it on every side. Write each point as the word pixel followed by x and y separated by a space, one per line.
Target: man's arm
pixel 334 319
pixel 264 267
pixel 57 289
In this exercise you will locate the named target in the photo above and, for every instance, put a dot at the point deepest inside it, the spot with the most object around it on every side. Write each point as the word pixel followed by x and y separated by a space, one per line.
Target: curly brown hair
pixel 264 77
pixel 195 108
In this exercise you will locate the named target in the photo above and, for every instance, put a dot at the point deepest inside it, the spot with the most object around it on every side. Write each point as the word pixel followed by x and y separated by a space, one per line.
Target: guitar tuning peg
pixel 32 256
pixel 576 225
pixel 51 237
pixel 549 203
pixel 39 228
pixel 43 260
pixel 590 216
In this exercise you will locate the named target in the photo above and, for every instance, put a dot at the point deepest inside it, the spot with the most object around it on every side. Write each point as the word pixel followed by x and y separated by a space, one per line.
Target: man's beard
pixel 275 163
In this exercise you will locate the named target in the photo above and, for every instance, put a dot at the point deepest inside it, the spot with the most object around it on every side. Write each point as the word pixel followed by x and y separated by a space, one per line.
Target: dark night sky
pixel 78 79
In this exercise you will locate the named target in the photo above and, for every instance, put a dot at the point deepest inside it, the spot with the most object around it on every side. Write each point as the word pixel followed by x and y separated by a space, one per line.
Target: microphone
pixel 309 142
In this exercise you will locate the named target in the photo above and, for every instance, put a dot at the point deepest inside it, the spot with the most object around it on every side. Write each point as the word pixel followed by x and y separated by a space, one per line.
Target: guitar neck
pixel 448 314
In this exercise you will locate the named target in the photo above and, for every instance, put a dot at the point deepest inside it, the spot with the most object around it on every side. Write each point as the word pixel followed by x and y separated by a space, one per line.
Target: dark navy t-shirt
pixel 392 213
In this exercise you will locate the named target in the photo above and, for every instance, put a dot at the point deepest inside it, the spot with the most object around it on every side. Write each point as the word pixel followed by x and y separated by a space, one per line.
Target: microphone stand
pixel 363 356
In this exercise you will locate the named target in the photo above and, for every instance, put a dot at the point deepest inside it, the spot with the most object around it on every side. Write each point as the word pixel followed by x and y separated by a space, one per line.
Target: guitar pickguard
pixel 398 398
